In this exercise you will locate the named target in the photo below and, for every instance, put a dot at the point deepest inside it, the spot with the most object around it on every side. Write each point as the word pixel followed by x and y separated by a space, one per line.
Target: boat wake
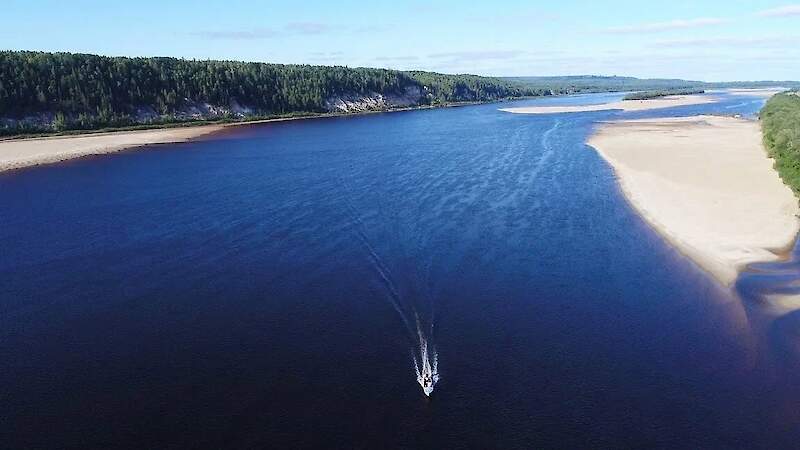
pixel 426 364
pixel 424 356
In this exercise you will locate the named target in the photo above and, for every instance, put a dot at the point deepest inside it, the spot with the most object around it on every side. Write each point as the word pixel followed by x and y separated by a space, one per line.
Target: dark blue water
pixel 243 291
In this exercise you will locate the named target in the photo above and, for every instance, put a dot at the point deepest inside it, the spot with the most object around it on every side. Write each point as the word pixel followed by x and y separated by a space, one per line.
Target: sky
pixel 711 40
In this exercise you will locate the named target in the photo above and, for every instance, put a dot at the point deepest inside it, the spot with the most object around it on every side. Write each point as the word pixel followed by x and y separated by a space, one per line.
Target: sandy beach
pixel 27 152
pixel 625 105
pixel 706 184
pixel 19 153
pixel 762 93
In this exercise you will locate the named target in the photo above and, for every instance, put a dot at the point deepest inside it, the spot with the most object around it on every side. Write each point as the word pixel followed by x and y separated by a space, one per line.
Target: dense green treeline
pixel 87 91
pixel 45 92
pixel 471 88
pixel 780 122
pixel 76 83
pixel 751 84
pixel 648 95
pixel 594 83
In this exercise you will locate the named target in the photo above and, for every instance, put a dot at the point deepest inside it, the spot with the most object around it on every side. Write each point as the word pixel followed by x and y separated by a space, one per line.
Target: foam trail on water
pixel 427 367
pixel 427 362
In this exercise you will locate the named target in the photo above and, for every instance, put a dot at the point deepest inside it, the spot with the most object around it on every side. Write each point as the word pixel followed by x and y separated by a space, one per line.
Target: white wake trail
pixel 427 368
pixel 426 365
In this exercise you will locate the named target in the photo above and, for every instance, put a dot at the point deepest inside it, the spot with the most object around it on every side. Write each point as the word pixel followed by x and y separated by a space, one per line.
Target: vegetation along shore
pixel 647 95
pixel 780 121
pixel 43 93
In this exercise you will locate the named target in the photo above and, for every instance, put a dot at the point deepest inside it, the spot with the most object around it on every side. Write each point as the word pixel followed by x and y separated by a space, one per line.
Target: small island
pixel 650 95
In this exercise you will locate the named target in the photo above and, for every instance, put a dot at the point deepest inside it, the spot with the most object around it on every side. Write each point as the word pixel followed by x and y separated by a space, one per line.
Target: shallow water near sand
pixel 262 287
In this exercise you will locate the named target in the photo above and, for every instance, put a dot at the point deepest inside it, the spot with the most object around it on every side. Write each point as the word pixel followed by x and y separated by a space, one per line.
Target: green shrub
pixel 780 122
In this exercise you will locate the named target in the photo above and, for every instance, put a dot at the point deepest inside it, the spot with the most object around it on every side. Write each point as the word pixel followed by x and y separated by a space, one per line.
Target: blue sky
pixel 706 40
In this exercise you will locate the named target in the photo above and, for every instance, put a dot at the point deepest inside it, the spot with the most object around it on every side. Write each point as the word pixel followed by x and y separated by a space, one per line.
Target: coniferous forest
pixel 79 91
pixel 44 92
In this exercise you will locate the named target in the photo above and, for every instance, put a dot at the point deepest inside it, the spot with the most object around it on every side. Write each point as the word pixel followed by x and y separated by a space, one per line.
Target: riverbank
pixel 625 105
pixel 706 184
pixel 18 152
pixel 760 93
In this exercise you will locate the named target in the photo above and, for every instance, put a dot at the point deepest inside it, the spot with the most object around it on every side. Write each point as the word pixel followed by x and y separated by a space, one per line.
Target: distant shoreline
pixel 249 121
pixel 660 102
pixel 624 105
pixel 20 152
pixel 23 153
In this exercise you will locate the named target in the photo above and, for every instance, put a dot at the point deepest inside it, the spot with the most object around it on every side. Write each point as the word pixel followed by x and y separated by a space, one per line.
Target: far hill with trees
pixel 63 91
pixel 593 83
pixel 53 92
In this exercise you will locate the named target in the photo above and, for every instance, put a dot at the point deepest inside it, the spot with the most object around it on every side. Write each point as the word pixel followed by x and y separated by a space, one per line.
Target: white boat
pixel 427 385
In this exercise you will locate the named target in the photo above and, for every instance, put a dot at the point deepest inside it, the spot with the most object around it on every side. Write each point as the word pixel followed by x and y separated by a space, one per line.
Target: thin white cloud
pixel 290 29
pixel 519 17
pixel 308 28
pixel 783 11
pixel 739 42
pixel 657 27
pixel 397 58
pixel 237 35
pixel 336 53
pixel 370 29
pixel 478 55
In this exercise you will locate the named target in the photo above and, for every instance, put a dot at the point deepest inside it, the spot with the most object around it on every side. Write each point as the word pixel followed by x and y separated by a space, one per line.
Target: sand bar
pixel 625 105
pixel 26 152
pixel 19 153
pixel 761 92
pixel 706 184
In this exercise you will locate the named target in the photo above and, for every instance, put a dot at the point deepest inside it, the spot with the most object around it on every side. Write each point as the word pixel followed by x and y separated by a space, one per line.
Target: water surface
pixel 243 291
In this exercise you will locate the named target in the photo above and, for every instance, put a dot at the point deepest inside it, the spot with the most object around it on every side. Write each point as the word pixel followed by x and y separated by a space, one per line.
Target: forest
pixel 62 91
pixel 44 92
pixel 576 84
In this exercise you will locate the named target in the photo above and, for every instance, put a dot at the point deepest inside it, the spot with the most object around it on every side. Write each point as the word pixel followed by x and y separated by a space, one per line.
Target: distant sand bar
pixel 763 93
pixel 625 105
pixel 19 153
